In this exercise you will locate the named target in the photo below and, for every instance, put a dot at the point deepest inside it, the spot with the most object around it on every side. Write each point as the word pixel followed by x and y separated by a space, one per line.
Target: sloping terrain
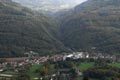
pixel 22 30
pixel 92 26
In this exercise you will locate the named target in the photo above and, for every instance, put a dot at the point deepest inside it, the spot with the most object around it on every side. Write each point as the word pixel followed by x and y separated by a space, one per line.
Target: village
pixel 33 58
pixel 16 64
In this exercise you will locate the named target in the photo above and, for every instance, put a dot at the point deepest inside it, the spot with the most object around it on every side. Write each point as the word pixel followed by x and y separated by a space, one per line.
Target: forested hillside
pixel 23 30
pixel 92 26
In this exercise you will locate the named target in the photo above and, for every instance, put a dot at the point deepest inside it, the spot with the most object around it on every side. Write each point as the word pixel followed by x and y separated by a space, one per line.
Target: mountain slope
pixel 22 30
pixel 93 26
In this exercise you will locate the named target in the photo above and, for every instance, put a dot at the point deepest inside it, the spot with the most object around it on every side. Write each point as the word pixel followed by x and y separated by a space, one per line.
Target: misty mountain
pixel 49 5
pixel 92 26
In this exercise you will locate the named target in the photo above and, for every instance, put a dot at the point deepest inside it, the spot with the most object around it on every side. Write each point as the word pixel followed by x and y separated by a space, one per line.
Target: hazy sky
pixel 79 1
pixel 53 5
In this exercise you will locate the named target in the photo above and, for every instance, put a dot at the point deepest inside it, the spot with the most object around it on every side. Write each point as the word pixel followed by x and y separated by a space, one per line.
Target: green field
pixel 85 65
pixel 32 70
pixel 115 65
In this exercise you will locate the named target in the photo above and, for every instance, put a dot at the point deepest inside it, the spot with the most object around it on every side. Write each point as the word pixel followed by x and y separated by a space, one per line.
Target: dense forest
pixel 23 30
pixel 92 26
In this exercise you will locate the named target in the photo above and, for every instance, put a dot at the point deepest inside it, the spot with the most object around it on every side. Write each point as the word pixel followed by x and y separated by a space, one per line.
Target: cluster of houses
pixel 86 55
pixel 33 58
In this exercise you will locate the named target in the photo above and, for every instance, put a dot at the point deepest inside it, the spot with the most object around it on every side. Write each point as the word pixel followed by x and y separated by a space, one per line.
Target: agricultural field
pixel 85 65
pixel 115 65
pixel 32 71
